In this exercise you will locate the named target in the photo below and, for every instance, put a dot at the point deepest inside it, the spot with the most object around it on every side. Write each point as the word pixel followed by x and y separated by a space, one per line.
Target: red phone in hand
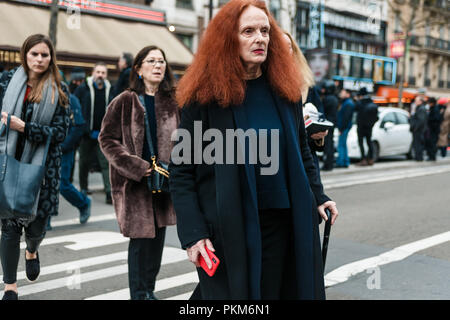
pixel 214 260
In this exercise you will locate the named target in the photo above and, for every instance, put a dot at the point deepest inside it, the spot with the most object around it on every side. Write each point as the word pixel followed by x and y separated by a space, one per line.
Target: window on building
pixel 427 81
pixel 441 76
pixel 411 67
pixel 222 2
pixel 187 39
pixel 303 18
pixel 186 4
pixel 397 27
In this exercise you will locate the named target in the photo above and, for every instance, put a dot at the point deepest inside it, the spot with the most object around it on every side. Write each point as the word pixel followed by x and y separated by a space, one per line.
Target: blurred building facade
pixel 427 47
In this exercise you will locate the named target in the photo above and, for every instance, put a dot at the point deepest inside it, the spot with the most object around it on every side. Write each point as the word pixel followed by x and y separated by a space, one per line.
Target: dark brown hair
pixel 52 71
pixel 166 86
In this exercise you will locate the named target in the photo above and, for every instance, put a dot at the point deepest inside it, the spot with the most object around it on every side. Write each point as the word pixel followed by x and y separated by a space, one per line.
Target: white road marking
pixel 85 240
pixel 69 222
pixel 184 296
pixel 170 255
pixel 374 177
pixel 344 272
pixel 163 284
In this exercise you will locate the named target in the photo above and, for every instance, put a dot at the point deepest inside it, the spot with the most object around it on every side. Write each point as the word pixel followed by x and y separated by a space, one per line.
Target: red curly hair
pixel 217 73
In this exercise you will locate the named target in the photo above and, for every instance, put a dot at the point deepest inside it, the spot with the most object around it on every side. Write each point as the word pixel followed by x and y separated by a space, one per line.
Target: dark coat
pixel 123 82
pixel 330 107
pixel 418 121
pixel 121 139
pixel 77 126
pixel 84 94
pixel 345 115
pixel 218 202
pixel 49 195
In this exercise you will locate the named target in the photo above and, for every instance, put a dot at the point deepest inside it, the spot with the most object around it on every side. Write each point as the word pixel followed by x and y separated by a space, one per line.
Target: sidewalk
pixel 387 165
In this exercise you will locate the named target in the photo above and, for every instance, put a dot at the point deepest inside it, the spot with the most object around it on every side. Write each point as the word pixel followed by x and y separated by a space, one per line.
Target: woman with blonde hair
pixel 37 101
pixel 310 94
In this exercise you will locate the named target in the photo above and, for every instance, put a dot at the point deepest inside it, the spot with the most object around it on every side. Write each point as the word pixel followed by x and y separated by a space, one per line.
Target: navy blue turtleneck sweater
pixel 262 113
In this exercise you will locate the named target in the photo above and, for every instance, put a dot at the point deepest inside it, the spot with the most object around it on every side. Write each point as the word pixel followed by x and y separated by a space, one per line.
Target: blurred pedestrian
pixel 262 227
pixel 330 105
pixel 433 128
pixel 142 215
pixel 94 95
pixel 344 124
pixel 38 101
pixel 310 94
pixel 77 77
pixel 418 126
pixel 124 65
pixel 444 130
pixel 367 116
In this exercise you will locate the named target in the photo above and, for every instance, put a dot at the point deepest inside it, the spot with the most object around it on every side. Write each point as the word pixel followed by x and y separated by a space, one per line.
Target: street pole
pixel 52 30
pixel 210 10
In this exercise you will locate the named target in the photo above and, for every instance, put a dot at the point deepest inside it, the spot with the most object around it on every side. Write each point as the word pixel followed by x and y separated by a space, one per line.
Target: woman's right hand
pixel 148 172
pixel 199 249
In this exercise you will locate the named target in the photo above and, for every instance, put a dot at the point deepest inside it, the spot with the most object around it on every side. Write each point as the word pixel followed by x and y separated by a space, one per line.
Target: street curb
pixel 406 164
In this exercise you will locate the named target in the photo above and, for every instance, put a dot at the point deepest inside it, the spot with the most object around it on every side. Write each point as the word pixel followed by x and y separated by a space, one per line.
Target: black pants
pixel 328 162
pixel 418 145
pixel 144 262
pixel 10 244
pixel 277 253
pixel 365 133
pixel 432 138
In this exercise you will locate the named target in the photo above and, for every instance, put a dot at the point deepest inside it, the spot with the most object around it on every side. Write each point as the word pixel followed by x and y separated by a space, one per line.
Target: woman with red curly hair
pixel 263 226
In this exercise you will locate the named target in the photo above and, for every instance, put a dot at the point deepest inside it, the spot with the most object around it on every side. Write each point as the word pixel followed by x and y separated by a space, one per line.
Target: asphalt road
pixel 382 209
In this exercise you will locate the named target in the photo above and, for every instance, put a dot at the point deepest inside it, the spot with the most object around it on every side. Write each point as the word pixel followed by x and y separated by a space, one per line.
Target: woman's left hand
pixel 319 135
pixel 331 205
pixel 16 123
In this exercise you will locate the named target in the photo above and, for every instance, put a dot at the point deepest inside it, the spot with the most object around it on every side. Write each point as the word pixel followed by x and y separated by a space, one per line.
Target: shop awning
pixel 93 36
pixel 390 95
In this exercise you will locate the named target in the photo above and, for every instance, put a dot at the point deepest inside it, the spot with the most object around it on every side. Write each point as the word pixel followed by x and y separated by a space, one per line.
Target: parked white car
pixel 390 135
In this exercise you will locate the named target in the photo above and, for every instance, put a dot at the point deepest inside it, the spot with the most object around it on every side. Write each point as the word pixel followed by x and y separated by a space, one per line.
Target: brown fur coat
pixel 121 140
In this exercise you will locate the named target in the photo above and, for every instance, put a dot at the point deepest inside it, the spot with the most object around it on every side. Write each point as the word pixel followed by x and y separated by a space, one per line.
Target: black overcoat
pixel 217 201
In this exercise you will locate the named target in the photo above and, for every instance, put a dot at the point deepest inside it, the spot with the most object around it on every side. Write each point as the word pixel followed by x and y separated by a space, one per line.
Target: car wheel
pixel 376 151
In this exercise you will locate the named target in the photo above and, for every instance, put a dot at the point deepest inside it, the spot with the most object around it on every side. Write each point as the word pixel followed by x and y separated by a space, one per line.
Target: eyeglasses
pixel 154 62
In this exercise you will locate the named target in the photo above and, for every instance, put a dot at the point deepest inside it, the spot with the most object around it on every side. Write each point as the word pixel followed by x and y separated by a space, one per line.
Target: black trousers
pixel 144 262
pixel 431 140
pixel 418 145
pixel 365 133
pixel 328 162
pixel 10 244
pixel 277 254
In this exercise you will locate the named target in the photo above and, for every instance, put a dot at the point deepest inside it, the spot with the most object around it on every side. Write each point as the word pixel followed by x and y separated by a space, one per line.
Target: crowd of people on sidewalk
pixel 429 125
pixel 246 75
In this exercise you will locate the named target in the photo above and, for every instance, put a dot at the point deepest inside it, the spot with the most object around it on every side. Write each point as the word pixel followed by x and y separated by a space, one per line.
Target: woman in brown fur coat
pixel 141 215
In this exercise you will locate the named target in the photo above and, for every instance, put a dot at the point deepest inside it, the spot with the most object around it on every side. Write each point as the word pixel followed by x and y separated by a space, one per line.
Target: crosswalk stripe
pixel 163 284
pixel 69 222
pixel 184 296
pixel 170 255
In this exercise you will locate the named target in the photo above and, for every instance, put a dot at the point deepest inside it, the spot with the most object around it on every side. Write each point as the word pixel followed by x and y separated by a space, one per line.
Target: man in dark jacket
pixel 434 128
pixel 124 64
pixel 68 147
pixel 418 126
pixel 344 124
pixel 94 95
pixel 367 116
pixel 330 106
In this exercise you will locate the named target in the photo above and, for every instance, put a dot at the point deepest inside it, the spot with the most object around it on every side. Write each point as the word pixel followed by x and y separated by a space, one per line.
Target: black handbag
pixel 19 183
pixel 158 181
